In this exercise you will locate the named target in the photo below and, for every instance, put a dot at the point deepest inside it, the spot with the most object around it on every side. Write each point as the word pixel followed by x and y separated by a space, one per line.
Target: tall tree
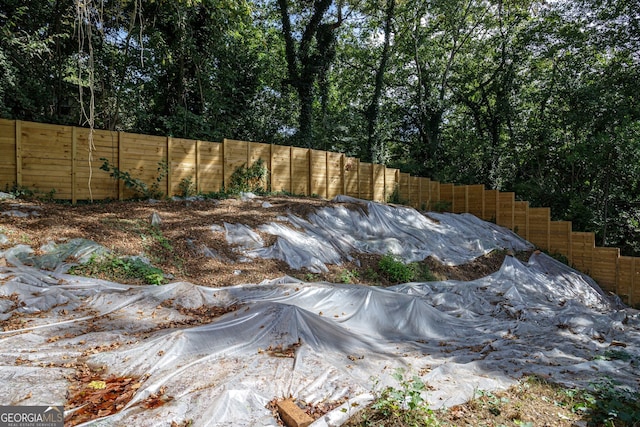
pixel 374 142
pixel 309 51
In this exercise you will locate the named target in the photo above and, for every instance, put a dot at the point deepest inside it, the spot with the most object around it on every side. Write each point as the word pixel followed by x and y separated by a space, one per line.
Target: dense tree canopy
pixel 535 97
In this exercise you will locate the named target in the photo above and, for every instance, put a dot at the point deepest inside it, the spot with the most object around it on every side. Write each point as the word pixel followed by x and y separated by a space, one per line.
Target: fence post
pixel 169 171
pixel 18 137
pixel 198 184
pixel 120 163
pixel 74 151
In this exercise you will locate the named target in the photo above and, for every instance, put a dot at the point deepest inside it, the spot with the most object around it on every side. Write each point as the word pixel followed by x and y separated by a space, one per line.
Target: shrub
pixel 136 184
pixel 395 270
pixel 249 179
pixel 403 406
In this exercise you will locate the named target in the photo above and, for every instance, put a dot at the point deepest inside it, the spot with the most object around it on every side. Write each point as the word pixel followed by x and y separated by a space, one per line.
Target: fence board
pixel 335 177
pixel 604 267
pixel 210 169
pixel 8 157
pixel 366 181
pixel 236 155
pixel 539 227
pixel 281 168
pixel 628 279
pixel 414 191
pixel 435 194
pixel 391 178
pixel 460 199
pixel 560 236
pixel 446 197
pixel 506 209
pixel 404 187
pixel 352 176
pixel 300 171
pixel 378 183
pixel 475 200
pixel 491 205
pixel 582 246
pixel 105 146
pixel 521 219
pixel 318 173
pixel 259 151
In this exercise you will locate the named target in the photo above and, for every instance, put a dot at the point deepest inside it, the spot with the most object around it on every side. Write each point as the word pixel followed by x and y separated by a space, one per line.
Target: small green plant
pixel 112 267
pixel 348 276
pixel 148 192
pixel 493 401
pixel 441 206
pixel 310 277
pixel 611 405
pixel 403 406
pixel 371 275
pixel 395 270
pixel 187 187
pixel 395 197
pixel 20 192
pixel 249 179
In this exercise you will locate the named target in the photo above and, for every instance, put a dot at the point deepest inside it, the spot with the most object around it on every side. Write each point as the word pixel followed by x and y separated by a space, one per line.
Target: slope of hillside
pixel 265 298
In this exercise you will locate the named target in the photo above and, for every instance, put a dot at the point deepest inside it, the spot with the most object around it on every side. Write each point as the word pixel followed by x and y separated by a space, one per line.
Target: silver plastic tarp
pixel 536 318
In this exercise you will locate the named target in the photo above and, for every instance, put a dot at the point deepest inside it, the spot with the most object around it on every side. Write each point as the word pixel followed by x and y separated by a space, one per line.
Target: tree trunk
pixel 375 145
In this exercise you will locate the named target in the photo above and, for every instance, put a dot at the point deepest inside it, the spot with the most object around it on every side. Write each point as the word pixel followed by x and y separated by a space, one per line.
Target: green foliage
pixel 249 179
pixel 187 187
pixel 111 267
pixel 403 406
pixel 610 405
pixel 145 191
pixel 396 271
pixel 441 206
pixel 349 276
pixel 20 191
pixel 395 198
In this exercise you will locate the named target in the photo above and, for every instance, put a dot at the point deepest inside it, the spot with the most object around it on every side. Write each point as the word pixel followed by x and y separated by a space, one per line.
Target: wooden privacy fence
pixel 46 158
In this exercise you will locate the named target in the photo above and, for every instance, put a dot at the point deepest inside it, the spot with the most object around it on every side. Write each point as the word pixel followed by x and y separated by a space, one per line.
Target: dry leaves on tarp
pixel 91 396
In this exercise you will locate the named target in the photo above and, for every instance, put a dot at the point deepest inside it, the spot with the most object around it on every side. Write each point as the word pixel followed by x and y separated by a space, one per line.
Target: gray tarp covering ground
pixel 536 318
